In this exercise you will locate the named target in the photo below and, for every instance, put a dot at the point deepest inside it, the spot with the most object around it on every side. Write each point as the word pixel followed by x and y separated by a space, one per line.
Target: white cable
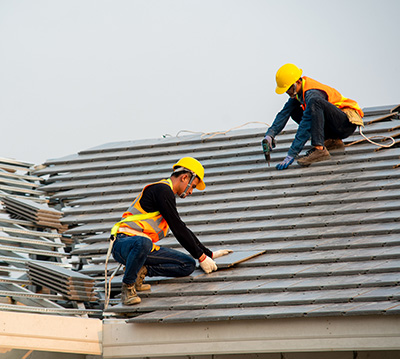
pixel 233 128
pixel 194 132
pixel 374 143
pixel 107 286
pixel 378 144
pixel 264 123
pixel 107 299
pixel 213 133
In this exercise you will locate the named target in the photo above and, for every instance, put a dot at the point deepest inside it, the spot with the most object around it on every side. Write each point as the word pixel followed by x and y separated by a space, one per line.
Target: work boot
pixel 140 286
pixel 332 144
pixel 314 155
pixel 128 294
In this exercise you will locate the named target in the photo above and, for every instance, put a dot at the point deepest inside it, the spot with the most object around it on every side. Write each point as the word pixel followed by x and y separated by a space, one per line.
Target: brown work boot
pixel 140 286
pixel 314 155
pixel 128 294
pixel 332 144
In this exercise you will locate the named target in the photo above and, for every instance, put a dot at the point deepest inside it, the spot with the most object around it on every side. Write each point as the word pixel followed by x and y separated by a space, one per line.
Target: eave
pixel 51 333
pixel 320 334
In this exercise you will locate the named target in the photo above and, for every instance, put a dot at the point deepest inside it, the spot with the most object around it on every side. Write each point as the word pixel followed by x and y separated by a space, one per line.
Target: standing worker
pixel 147 220
pixel 320 111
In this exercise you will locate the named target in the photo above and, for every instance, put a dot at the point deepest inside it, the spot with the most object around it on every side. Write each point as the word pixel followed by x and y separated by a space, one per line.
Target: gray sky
pixel 75 74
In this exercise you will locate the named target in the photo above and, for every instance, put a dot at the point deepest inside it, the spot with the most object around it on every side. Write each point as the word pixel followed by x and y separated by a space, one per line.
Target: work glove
pixel 271 142
pixel 208 265
pixel 285 163
pixel 221 252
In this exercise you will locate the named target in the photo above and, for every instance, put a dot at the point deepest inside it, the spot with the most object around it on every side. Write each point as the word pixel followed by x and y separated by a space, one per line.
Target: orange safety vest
pixel 334 97
pixel 137 222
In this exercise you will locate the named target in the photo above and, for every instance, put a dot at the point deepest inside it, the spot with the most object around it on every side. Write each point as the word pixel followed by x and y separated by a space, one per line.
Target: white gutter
pixel 52 333
pixel 319 334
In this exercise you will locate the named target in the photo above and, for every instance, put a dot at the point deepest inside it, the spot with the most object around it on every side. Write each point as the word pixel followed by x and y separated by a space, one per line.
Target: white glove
pixel 221 252
pixel 208 265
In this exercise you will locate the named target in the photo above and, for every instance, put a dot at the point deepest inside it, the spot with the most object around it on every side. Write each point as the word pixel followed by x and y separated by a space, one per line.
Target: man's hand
pixel 207 264
pixel 285 163
pixel 270 141
pixel 221 252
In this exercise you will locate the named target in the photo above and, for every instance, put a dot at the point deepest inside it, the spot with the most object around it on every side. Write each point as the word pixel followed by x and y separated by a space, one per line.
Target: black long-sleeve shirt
pixel 160 197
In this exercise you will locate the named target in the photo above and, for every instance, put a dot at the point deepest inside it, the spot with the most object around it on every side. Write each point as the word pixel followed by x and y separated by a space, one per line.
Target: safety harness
pixel 114 231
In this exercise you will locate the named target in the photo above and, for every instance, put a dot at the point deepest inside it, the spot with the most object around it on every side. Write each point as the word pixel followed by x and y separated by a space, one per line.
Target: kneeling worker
pixel 320 111
pixel 147 220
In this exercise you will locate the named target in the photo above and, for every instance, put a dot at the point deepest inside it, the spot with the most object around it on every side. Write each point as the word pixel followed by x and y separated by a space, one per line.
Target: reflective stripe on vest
pixel 334 96
pixel 131 218
pixel 136 221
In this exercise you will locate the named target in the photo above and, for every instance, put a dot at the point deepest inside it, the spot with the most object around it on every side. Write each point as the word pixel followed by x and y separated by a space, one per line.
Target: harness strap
pixel 107 286
pixel 132 218
pixel 114 231
pixel 137 217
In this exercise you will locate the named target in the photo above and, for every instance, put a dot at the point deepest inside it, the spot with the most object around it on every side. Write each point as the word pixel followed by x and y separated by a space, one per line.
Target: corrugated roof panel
pixel 330 231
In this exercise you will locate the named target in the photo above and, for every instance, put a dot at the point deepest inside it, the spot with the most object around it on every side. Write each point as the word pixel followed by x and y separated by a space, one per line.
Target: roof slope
pixel 329 233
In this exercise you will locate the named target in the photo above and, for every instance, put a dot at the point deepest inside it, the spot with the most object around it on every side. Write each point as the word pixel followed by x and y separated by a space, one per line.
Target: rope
pixel 107 286
pixel 194 132
pixel 233 128
pixel 384 138
pixel 217 132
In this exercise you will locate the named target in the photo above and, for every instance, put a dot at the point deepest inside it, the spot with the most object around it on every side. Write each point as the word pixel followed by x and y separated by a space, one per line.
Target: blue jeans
pixel 328 122
pixel 321 121
pixel 135 252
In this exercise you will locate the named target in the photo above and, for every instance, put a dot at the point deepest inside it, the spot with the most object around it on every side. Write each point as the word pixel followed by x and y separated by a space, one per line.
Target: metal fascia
pixel 129 340
pixel 52 333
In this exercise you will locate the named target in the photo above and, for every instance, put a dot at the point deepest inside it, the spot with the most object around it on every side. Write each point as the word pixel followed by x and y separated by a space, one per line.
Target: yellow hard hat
pixel 195 166
pixel 286 76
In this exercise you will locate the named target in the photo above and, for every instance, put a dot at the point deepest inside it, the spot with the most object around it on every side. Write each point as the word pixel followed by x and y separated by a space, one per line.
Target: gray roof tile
pixel 330 231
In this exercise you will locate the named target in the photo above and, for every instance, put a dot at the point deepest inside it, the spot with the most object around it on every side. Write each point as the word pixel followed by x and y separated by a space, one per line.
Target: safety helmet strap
pixel 183 194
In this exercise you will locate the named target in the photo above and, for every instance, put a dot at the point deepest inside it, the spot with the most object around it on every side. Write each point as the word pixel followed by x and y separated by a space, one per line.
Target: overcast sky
pixel 75 74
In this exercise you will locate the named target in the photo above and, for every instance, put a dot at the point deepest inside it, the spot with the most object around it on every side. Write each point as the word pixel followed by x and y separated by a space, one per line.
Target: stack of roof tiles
pixel 28 236
pixel 40 214
pixel 328 234
pixel 72 285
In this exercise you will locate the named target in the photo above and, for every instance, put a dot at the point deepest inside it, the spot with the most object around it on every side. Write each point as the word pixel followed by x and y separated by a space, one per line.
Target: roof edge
pixel 319 334
pixel 51 333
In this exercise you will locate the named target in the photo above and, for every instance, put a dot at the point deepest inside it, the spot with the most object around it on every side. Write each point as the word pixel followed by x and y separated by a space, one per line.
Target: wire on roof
pixel 233 128
pixel 369 139
pixel 212 134
pixel 217 132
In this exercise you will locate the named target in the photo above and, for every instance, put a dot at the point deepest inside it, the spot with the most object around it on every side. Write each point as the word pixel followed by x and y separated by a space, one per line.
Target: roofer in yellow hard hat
pixel 147 220
pixel 320 111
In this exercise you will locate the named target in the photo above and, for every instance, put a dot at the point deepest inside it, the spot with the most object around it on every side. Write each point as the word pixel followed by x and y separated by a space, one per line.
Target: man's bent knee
pixel 188 266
